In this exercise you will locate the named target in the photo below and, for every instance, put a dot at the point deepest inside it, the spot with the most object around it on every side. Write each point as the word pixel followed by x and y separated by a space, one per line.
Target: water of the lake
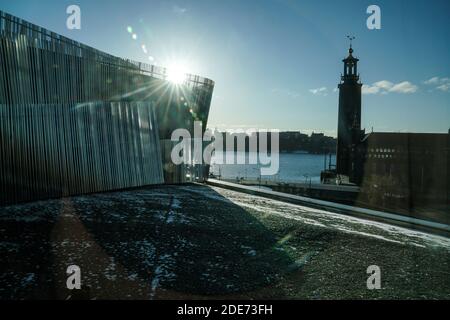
pixel 294 167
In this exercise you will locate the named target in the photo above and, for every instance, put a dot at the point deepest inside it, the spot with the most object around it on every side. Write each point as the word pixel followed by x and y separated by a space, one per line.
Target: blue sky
pixel 276 63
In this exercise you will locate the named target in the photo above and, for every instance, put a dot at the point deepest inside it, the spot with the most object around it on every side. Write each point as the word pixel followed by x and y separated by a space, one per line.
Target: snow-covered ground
pixel 327 219
pixel 197 241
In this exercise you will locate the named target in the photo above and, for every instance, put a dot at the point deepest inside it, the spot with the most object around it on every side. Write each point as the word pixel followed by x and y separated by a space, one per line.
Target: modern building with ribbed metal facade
pixel 77 120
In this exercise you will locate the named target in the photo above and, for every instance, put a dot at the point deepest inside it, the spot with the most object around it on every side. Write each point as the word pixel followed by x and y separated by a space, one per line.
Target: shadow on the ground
pixel 186 241
pixel 156 242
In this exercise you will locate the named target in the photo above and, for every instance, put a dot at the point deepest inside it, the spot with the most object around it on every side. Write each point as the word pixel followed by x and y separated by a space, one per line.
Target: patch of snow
pixel 27 280
pixel 322 218
pixel 110 270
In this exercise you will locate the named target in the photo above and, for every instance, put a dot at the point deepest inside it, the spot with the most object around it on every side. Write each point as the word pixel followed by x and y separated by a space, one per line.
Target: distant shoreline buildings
pixel 291 141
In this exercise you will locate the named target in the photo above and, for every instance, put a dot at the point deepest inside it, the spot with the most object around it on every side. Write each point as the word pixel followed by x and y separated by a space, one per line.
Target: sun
pixel 176 73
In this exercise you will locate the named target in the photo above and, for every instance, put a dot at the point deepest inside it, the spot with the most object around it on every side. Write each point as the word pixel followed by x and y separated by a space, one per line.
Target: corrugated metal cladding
pixel 77 120
pixel 52 150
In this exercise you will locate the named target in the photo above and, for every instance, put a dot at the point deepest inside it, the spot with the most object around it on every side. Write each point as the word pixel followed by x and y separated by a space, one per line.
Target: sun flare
pixel 176 73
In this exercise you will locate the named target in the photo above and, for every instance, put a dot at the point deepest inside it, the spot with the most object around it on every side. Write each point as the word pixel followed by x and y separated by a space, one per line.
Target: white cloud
pixel 384 84
pixel 433 80
pixel 178 9
pixel 370 89
pixel 404 87
pixel 442 84
pixel 384 87
pixel 286 92
pixel 444 87
pixel 319 91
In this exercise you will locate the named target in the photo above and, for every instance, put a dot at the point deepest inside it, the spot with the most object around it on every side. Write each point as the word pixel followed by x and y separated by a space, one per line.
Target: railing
pixel 12 27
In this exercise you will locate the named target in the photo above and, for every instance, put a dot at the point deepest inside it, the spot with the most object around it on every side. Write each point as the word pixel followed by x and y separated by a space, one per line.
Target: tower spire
pixel 350 64
pixel 349 124
pixel 351 38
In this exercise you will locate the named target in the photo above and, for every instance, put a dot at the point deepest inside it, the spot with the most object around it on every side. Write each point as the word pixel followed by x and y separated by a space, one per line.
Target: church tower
pixel 349 119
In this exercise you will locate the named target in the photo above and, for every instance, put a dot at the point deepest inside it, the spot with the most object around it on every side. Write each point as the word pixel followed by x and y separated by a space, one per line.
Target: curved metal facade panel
pixel 53 150
pixel 77 120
